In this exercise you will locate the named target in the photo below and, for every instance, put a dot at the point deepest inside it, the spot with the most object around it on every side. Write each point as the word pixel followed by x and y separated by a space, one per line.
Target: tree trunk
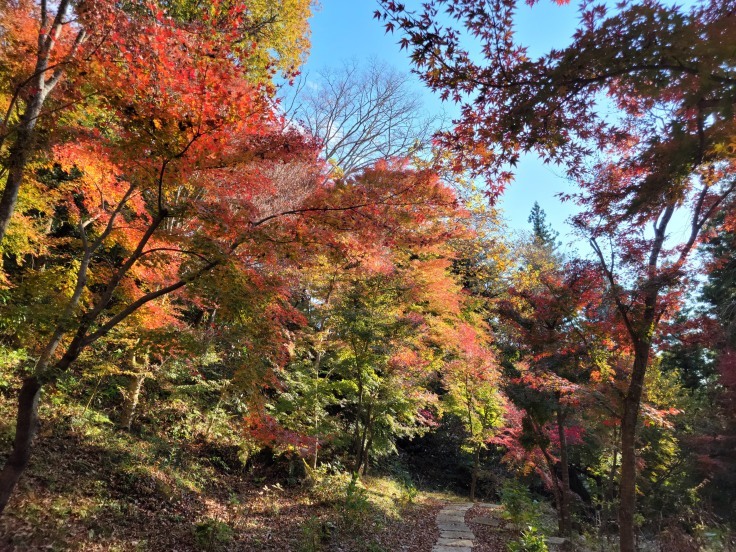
pixel 132 395
pixel 357 450
pixel 607 494
pixel 361 453
pixel 552 467
pixel 359 446
pixel 25 429
pixel 317 363
pixel 474 476
pixel 26 422
pixel 315 456
pixel 565 519
pixel 627 488
pixel 18 159
pixel 366 453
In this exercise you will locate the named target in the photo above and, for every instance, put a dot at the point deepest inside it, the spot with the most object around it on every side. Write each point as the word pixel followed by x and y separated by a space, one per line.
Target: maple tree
pixel 552 341
pixel 361 367
pixel 699 347
pixel 167 186
pixel 53 51
pixel 471 381
pixel 675 127
pixel 640 54
pixel 645 274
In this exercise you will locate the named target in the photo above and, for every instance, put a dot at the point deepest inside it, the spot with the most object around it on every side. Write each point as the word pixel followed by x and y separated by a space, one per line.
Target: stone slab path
pixel 455 535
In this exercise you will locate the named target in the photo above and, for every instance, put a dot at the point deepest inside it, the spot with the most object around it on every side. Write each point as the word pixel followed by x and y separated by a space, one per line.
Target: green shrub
pixel 409 492
pixel 531 540
pixel 372 546
pixel 312 535
pixel 213 535
pixel 355 504
pixel 518 504
pixel 326 486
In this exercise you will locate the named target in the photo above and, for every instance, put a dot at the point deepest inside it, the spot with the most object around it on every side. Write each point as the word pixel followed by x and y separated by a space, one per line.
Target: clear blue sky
pixel 345 29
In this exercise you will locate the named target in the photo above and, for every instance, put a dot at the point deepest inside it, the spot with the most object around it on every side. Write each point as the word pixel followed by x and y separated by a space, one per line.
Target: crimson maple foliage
pixel 553 318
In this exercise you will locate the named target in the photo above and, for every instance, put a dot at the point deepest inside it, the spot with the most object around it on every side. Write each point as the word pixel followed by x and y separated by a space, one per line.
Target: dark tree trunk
pixel 552 467
pixel 366 453
pixel 25 429
pixel 361 456
pixel 565 520
pixel 26 422
pixel 474 476
pixel 359 448
pixel 627 488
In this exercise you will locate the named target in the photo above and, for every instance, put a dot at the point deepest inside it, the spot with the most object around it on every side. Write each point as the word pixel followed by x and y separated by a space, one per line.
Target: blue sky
pixel 345 29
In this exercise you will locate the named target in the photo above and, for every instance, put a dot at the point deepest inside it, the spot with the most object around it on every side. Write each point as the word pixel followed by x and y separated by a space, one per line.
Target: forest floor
pixel 77 496
pixel 92 487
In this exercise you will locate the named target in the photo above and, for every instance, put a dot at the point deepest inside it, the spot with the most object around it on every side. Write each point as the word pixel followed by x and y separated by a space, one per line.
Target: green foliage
pixel 327 485
pixel 213 535
pixel 343 491
pixel 356 505
pixel 409 491
pixel 531 540
pixel 10 361
pixel 519 507
pixel 476 402
pixel 312 535
pixel 372 546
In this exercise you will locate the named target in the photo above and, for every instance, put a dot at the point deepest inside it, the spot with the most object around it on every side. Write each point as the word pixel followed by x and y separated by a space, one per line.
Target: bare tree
pixel 362 114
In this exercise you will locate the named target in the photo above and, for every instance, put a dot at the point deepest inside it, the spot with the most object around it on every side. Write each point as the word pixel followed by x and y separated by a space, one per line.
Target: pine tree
pixel 543 231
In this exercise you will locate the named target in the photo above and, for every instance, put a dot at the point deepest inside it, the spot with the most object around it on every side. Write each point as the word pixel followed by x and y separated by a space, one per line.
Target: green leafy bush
pixel 356 503
pixel 518 504
pixel 531 540
pixel 409 491
pixel 312 535
pixel 213 535
pixel 327 486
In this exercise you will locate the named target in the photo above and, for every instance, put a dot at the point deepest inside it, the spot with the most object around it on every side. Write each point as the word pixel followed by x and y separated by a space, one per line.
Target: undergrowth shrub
pixel 409 492
pixel 356 504
pixel 312 535
pixel 519 507
pixel 213 535
pixel 326 485
pixel 531 540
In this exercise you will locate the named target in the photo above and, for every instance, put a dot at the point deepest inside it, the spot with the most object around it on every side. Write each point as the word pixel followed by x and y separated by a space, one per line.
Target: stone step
pixel 455 542
pixel 457 534
pixel 450 520
pixel 445 526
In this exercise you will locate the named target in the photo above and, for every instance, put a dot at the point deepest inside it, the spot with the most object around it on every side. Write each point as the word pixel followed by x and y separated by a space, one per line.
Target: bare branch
pixel 363 115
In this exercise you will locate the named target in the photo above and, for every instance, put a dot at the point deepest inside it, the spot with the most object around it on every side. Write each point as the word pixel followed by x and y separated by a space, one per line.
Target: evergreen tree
pixel 543 231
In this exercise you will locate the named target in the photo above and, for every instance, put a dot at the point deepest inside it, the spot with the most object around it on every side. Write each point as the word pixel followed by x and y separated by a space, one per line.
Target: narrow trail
pixel 455 535
pixel 486 530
